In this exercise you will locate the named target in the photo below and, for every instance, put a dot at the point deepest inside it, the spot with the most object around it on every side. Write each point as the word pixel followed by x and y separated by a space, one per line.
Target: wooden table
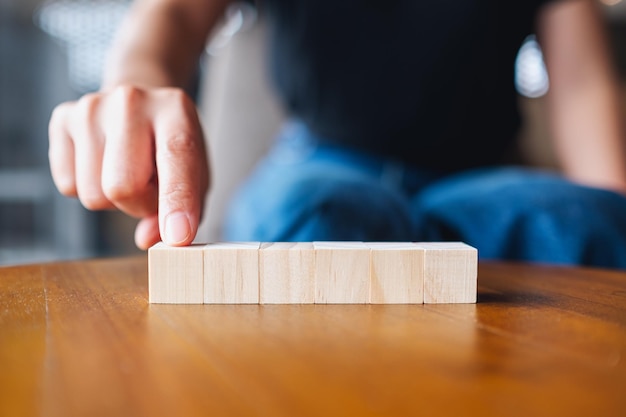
pixel 80 339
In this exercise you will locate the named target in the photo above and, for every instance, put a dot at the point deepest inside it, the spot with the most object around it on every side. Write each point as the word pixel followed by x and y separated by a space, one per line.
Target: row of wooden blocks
pixel 313 273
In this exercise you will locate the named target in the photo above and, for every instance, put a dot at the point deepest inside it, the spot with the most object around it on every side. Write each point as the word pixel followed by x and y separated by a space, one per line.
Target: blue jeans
pixel 305 190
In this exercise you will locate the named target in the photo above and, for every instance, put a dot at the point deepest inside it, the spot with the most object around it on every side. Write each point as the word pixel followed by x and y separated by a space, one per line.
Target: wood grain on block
pixel 175 274
pixel 450 272
pixel 231 273
pixel 287 273
pixel 342 272
pixel 397 273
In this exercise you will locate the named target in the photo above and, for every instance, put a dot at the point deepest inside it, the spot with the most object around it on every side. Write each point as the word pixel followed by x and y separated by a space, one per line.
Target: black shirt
pixel 428 82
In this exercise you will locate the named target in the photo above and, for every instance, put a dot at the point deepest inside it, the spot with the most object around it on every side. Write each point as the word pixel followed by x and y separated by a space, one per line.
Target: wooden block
pixel 342 272
pixel 175 275
pixel 231 273
pixel 397 273
pixel 287 273
pixel 450 272
pixel 320 272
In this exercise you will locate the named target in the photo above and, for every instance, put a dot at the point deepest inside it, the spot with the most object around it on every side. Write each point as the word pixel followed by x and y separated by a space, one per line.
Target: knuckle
pixel 127 95
pixel 175 95
pixel 182 143
pixel 178 193
pixel 87 105
pixel 58 119
pixel 58 113
pixel 177 98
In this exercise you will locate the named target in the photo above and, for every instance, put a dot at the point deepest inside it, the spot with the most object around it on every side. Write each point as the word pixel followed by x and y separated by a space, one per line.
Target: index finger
pixel 182 168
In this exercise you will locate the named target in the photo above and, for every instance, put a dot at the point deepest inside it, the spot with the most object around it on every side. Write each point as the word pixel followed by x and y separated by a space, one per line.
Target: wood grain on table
pixel 80 339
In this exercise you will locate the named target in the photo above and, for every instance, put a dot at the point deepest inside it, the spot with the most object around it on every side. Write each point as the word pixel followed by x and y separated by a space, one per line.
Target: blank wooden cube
pixel 287 273
pixel 450 272
pixel 231 273
pixel 342 272
pixel 175 274
pixel 397 273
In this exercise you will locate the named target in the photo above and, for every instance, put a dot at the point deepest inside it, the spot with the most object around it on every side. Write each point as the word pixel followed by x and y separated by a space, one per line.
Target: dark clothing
pixel 428 82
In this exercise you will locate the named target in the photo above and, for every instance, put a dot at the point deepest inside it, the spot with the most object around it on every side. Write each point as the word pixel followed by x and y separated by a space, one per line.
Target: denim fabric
pixel 307 190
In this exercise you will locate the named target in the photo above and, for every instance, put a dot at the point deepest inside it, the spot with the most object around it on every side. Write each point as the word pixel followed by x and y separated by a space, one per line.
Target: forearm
pixel 584 100
pixel 160 41
pixel 588 135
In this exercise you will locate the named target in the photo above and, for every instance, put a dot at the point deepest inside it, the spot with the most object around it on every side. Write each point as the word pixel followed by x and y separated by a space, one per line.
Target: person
pixel 402 113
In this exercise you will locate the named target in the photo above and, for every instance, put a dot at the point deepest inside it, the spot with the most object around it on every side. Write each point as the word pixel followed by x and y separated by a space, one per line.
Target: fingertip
pixel 178 229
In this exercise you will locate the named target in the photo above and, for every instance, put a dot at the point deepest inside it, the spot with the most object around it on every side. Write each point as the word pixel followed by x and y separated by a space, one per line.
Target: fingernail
pixel 177 228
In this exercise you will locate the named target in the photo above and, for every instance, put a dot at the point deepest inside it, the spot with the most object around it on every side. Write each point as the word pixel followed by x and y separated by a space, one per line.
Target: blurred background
pixel 53 51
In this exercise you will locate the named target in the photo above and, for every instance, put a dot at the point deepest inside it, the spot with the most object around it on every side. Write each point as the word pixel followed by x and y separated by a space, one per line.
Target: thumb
pixel 147 232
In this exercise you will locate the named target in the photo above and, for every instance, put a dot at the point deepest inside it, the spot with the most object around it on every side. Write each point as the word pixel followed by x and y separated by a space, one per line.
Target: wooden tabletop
pixel 80 339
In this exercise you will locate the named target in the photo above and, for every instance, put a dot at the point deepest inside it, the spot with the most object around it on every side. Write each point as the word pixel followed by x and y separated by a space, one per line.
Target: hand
pixel 138 150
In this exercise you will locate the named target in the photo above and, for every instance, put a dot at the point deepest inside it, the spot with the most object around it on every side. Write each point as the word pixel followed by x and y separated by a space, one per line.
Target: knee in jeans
pixel 355 210
pixel 319 208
